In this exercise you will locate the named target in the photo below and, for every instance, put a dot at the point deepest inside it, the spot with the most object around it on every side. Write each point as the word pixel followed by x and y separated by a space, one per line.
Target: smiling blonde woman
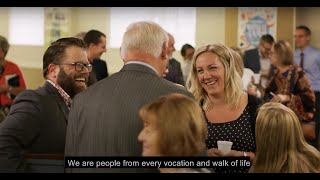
pixel 215 81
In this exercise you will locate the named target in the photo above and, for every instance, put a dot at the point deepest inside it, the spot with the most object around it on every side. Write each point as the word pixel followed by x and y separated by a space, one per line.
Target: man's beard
pixel 68 83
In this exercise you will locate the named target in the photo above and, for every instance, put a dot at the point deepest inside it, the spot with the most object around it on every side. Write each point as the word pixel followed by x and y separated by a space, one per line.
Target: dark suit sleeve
pixel 105 70
pixel 18 131
pixel 101 69
pixel 180 75
pixel 246 59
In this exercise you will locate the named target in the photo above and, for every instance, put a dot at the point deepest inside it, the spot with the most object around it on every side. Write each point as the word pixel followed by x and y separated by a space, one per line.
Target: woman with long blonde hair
pixel 281 147
pixel 215 81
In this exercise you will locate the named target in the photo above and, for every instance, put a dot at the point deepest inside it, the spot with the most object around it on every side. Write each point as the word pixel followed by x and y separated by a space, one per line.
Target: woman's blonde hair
pixel 281 147
pixel 233 85
pixel 181 125
pixel 238 61
pixel 283 52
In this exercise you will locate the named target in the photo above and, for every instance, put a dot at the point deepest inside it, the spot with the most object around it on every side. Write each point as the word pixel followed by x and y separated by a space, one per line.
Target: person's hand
pixel 281 98
pixel 234 153
pixel 252 89
pixel 214 152
pixel 284 98
pixel 4 88
pixel 310 116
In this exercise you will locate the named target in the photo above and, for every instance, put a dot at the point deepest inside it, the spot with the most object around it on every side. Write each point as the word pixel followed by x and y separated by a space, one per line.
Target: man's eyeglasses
pixel 299 36
pixel 78 66
pixel 267 49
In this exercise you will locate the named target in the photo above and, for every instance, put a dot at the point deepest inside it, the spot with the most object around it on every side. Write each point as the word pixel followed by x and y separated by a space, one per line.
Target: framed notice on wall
pixel 57 23
pixel 253 22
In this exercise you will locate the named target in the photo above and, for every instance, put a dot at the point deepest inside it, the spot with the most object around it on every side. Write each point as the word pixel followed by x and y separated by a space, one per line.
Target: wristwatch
pixel 245 154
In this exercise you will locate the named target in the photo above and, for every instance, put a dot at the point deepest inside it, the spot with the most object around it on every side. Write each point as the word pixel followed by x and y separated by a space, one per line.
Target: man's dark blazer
pixel 251 60
pixel 99 71
pixel 100 68
pixel 175 73
pixel 103 119
pixel 36 123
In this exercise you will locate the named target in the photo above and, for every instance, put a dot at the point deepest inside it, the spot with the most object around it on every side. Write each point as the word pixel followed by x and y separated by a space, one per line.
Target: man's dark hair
pixel 56 51
pixel 267 38
pixel 184 49
pixel 93 37
pixel 305 28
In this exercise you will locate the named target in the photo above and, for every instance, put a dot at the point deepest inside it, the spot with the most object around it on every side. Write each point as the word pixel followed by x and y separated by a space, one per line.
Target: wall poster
pixel 57 24
pixel 253 22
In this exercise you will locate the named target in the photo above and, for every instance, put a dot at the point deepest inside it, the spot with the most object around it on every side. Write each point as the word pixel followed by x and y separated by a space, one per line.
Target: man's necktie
pixel 301 60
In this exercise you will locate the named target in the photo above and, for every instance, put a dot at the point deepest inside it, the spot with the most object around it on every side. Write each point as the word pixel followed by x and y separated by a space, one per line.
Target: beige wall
pixel 231 26
pixel 310 17
pixel 33 77
pixel 4 18
pixel 213 24
pixel 209 28
pixel 285 25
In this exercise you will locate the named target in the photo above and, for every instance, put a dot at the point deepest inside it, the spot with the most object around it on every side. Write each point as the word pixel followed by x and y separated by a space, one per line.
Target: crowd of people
pixel 154 106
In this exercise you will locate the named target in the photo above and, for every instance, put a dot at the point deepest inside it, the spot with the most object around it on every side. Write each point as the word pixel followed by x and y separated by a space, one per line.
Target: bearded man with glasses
pixel 36 125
